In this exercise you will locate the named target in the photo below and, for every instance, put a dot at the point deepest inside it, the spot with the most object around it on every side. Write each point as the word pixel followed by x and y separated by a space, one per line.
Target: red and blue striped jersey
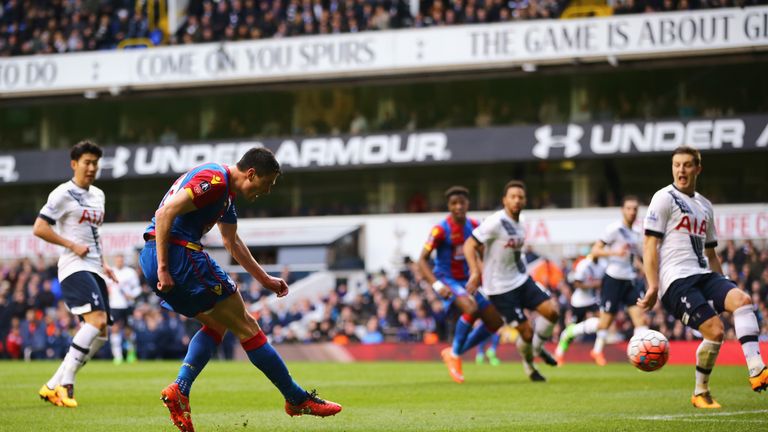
pixel 447 238
pixel 209 187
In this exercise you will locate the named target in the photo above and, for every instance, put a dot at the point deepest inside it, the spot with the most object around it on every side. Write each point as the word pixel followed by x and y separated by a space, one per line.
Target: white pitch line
pixel 706 415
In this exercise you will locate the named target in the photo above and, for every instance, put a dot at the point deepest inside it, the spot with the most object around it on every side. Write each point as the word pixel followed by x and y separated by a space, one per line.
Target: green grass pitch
pixel 387 397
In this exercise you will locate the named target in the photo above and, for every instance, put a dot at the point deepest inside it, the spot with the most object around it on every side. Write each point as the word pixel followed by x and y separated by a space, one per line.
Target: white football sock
pixel 542 331
pixel 747 330
pixel 706 355
pixel 526 352
pixel 78 351
pixel 600 340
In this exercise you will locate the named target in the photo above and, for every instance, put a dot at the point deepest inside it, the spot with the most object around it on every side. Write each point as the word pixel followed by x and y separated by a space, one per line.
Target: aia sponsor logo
pixel 694 228
pixel 92 217
pixel 514 243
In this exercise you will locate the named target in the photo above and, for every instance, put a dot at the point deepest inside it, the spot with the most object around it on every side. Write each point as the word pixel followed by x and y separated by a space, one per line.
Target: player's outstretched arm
pixel 651 267
pixel 240 252
pixel 42 229
pixel 176 205
pixel 472 249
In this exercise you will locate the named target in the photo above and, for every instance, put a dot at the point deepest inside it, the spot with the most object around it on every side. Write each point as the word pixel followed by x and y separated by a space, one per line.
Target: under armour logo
pixel 118 163
pixel 568 142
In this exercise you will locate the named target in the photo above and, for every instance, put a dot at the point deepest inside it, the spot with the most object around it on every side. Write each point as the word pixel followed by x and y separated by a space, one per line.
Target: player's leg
pixel 534 297
pixel 85 295
pixel 636 314
pixel 493 359
pixel 739 303
pixel 201 348
pixel 686 302
pixel 465 324
pixel 232 313
pixel 116 336
pixel 610 302
pixel 583 325
pixel 524 347
pixel 480 355
pixel 491 322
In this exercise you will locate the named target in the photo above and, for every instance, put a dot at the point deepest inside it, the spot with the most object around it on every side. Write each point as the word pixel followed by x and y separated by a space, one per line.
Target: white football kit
pixel 618 237
pixel 588 272
pixel 78 213
pixel 503 263
pixel 686 226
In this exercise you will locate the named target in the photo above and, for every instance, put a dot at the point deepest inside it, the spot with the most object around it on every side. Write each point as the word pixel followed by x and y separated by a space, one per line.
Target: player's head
pixel 260 169
pixel 686 167
pixel 514 197
pixel 119 261
pixel 629 207
pixel 85 157
pixel 457 198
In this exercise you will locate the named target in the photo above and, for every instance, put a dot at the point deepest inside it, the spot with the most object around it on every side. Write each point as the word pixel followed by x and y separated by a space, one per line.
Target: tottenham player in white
pixel 77 209
pixel 506 282
pixel 683 269
pixel 620 245
pixel 586 279
pixel 121 298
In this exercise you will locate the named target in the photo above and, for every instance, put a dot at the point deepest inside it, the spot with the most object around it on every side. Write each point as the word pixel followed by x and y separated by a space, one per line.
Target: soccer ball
pixel 648 351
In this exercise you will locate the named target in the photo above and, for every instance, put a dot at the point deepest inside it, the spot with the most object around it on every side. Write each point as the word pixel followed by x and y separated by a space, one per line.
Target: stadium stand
pixel 59 26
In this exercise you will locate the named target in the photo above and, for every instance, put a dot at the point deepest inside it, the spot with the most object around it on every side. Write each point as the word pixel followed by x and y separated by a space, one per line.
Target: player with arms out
pixel 77 209
pixel 683 269
pixel 449 276
pixel 505 277
pixel 189 282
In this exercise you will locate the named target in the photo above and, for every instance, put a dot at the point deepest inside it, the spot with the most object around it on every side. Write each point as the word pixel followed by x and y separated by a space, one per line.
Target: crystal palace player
pixel 192 284
pixel 77 209
pixel 449 277
pixel 682 268
pixel 506 280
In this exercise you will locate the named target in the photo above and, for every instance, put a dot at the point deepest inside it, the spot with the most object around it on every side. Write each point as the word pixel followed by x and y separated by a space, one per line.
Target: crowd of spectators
pixel 58 26
pixel 35 324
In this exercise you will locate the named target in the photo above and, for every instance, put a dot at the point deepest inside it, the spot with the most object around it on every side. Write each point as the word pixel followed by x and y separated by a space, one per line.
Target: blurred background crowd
pixel 35 324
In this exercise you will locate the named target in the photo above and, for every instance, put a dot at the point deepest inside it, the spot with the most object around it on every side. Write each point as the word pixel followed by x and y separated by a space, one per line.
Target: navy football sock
pixel 201 348
pixel 264 357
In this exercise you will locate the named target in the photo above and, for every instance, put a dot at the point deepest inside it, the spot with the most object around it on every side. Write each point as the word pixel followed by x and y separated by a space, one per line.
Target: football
pixel 648 351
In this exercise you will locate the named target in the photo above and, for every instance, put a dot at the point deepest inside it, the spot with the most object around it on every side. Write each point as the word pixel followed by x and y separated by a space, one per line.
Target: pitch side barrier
pixel 680 352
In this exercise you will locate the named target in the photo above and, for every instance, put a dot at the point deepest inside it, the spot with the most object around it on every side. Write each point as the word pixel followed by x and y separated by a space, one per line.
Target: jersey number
pixel 698 248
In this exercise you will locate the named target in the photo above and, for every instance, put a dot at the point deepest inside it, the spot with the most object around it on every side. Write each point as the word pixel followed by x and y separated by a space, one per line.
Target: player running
pixel 191 283
pixel 77 209
pixel 683 269
pixel 506 280
pixel 586 279
pixel 449 277
pixel 620 245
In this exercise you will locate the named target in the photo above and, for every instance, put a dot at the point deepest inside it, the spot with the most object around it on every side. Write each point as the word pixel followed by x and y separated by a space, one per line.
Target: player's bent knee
pixel 713 329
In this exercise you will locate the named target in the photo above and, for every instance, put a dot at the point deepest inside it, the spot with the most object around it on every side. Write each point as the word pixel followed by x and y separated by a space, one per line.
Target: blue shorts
pixel 697 298
pixel 85 292
pixel 616 293
pixel 199 283
pixel 458 290
pixel 512 303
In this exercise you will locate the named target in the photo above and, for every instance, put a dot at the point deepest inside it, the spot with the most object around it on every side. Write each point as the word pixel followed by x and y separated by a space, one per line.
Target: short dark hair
pixel 690 151
pixel 629 198
pixel 83 147
pixel 261 159
pixel 456 190
pixel 512 184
